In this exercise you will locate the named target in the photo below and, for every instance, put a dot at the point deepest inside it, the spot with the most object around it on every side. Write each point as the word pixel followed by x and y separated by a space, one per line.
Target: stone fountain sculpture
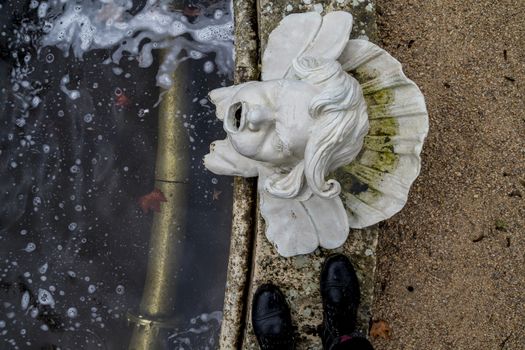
pixel 327 107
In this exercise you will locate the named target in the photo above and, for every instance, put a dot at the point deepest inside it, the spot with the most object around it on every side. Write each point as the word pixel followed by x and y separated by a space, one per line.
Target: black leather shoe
pixel 271 319
pixel 340 294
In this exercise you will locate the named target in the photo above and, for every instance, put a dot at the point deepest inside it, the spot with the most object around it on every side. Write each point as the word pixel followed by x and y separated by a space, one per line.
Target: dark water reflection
pixel 73 239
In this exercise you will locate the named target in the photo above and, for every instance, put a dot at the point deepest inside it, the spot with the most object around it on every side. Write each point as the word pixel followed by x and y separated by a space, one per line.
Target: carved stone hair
pixel 341 123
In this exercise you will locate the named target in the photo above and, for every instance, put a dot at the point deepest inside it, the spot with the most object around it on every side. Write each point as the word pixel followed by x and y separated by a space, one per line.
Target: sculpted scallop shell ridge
pixel 375 185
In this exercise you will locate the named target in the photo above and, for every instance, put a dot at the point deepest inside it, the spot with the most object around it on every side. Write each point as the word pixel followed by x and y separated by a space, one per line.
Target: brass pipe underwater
pixel 156 309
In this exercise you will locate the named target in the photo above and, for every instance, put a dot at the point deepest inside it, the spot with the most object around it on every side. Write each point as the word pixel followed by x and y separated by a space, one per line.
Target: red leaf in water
pixel 122 101
pixel 191 10
pixel 216 194
pixel 152 200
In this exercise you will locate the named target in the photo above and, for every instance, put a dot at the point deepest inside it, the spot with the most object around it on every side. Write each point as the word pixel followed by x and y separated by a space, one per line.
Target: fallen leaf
pixel 191 10
pixel 381 329
pixel 152 200
pixel 122 101
pixel 216 195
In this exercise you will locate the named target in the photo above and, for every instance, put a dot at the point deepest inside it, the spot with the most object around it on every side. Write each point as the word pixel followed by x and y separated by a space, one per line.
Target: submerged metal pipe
pixel 156 310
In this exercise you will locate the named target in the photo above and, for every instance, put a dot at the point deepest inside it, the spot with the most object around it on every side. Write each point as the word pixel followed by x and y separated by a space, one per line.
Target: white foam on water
pixel 104 24
pixel 204 328
pixel 72 94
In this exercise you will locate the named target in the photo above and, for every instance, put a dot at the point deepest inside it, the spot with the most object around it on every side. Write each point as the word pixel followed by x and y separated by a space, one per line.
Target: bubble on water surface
pixel 117 70
pixel 218 14
pixel 72 312
pixel 88 118
pixel 30 247
pixel 45 298
pixel 74 94
pixel 208 67
pixel 24 303
pixel 196 54
pixel 50 58
pixel 43 269
pixel 74 169
pixel 120 289
pixel 35 101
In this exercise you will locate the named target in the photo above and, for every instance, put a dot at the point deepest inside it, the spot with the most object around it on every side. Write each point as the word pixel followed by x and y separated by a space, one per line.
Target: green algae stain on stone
pixel 383 162
pixel 362 177
pixel 353 186
pixel 383 127
pixel 352 183
pixel 383 97
pixel 378 102
pixel 363 75
pixel 349 182
pixel 379 143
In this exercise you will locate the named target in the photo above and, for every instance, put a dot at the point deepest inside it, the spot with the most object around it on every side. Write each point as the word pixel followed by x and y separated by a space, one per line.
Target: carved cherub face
pixel 267 121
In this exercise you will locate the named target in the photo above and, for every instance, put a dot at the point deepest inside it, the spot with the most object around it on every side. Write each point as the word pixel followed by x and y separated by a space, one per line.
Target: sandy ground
pixel 451 271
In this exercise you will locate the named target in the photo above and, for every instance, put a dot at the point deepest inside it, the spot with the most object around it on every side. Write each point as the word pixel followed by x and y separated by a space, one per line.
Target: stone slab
pixel 244 191
pixel 297 276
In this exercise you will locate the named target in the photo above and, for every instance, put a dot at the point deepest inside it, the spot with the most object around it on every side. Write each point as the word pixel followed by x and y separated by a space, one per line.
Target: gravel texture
pixel 451 269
